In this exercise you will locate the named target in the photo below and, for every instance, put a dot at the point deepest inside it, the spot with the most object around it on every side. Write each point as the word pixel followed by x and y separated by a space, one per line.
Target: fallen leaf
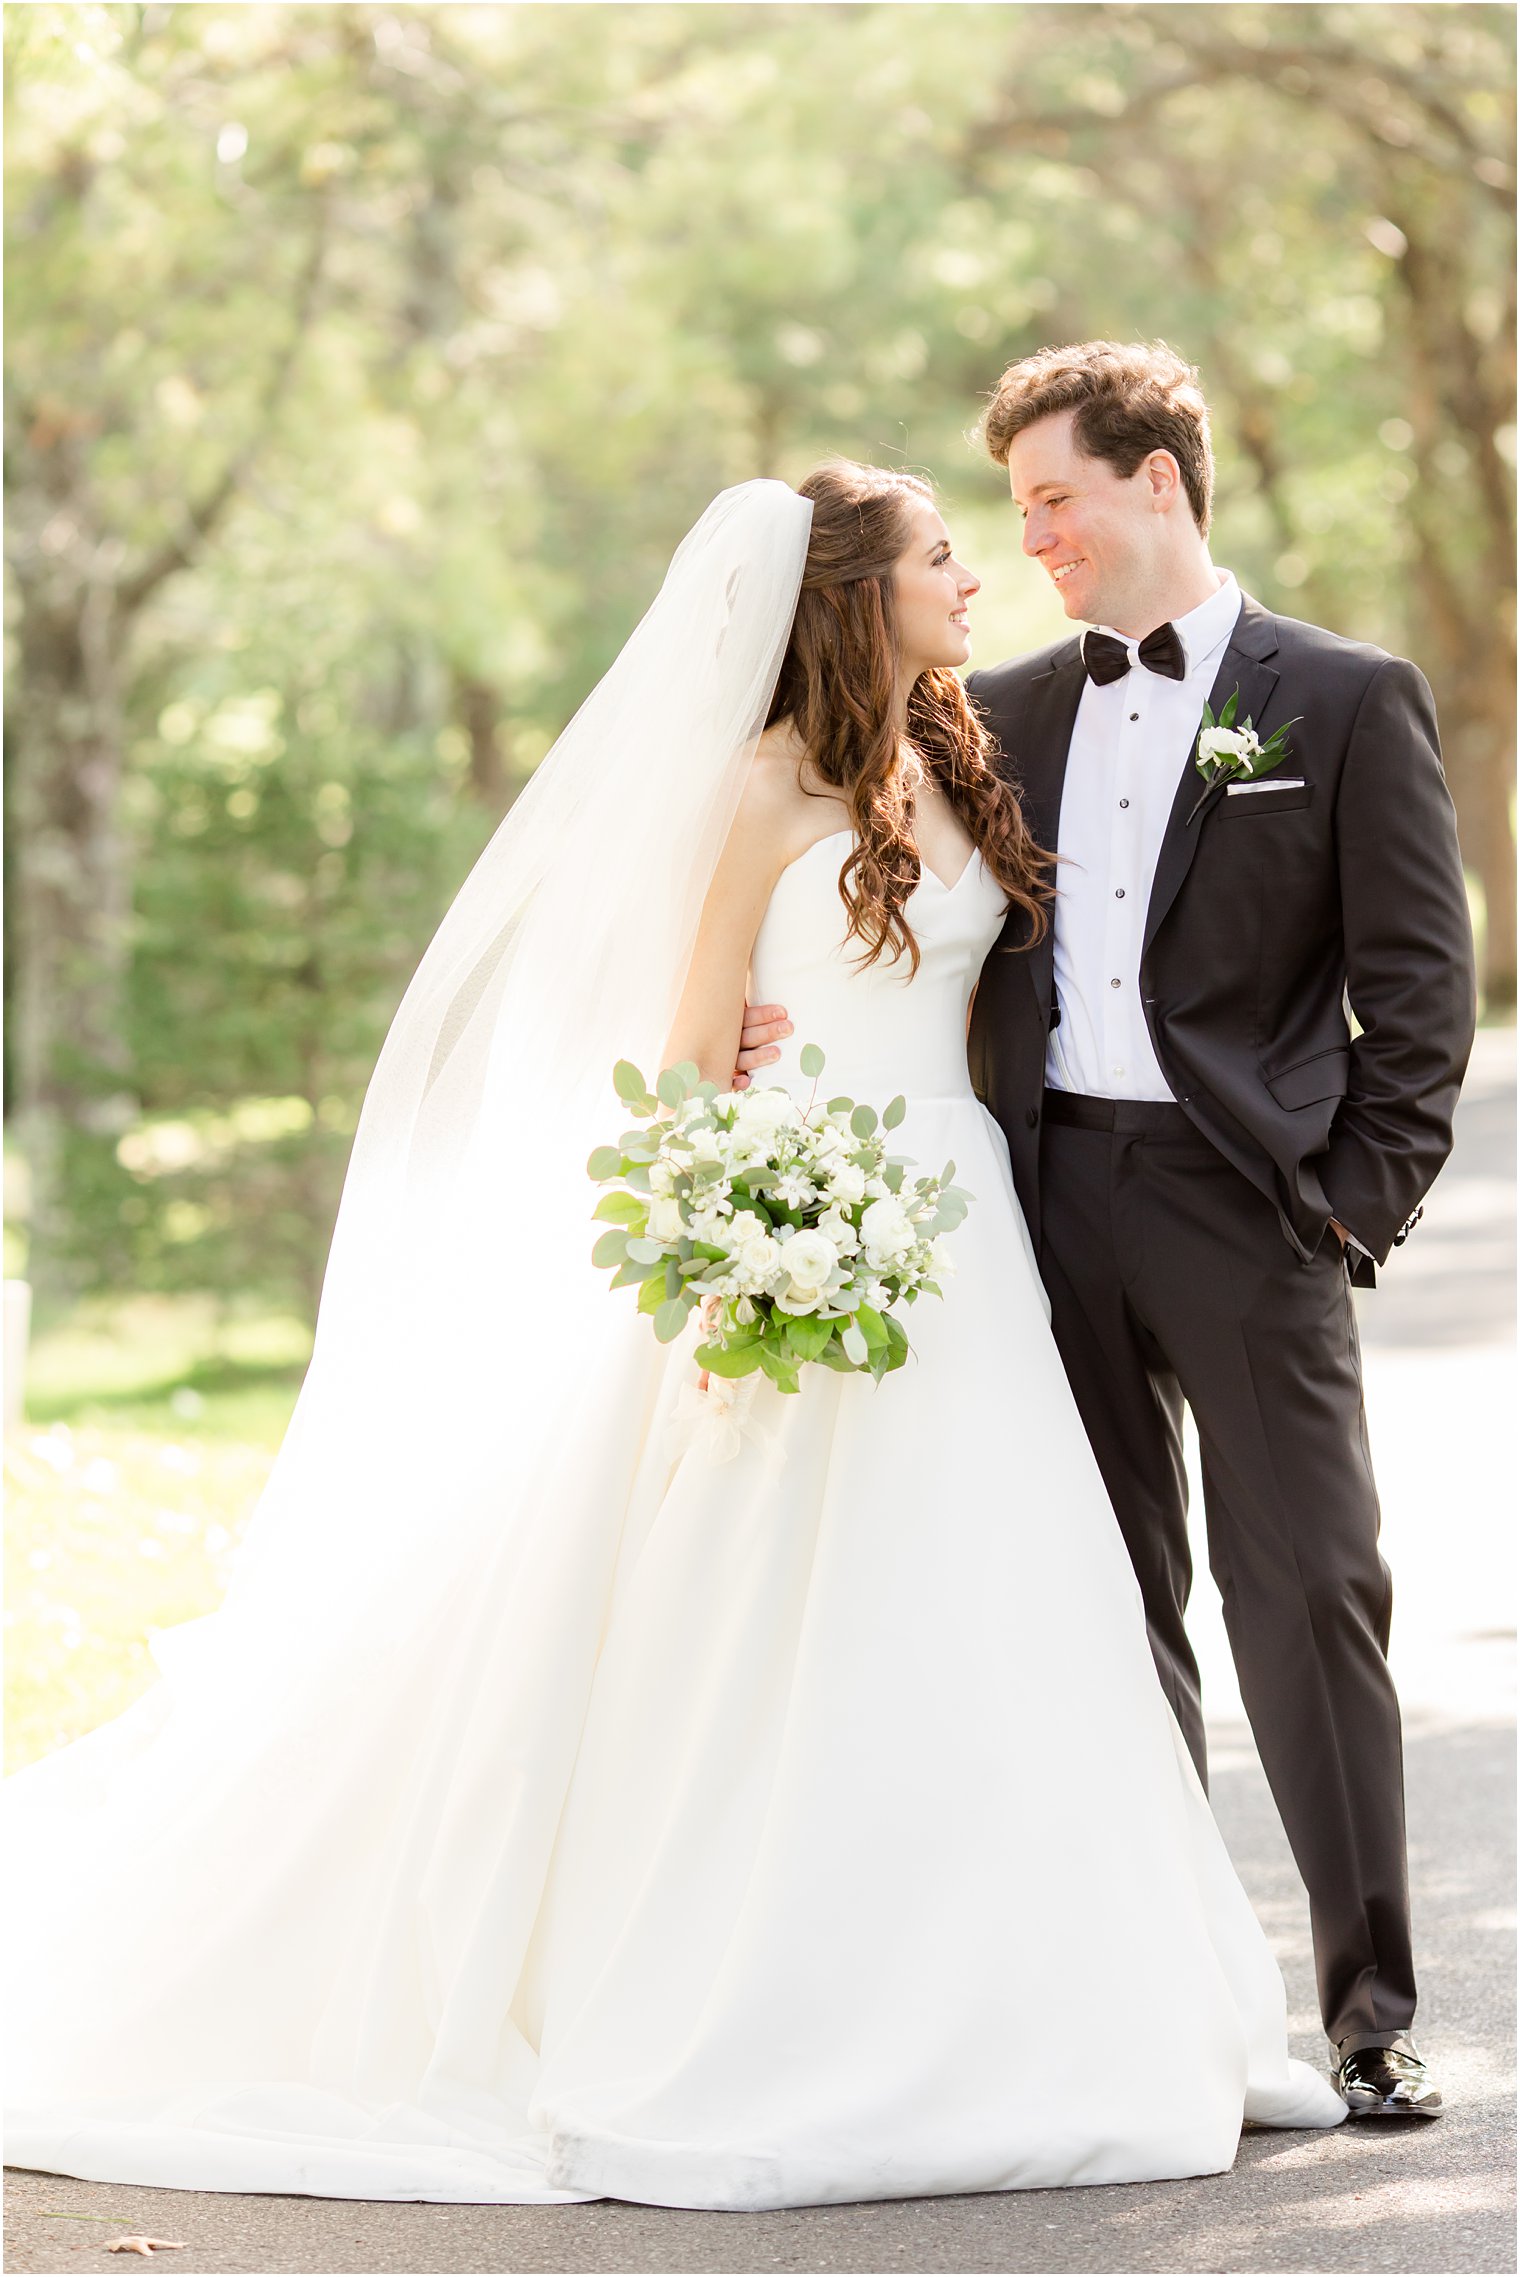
pixel 145 2245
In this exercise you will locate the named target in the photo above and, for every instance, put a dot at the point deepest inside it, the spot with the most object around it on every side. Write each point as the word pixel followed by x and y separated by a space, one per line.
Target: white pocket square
pixel 1242 790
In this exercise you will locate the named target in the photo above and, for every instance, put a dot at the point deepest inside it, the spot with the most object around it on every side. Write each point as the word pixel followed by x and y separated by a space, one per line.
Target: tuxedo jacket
pixel 1272 915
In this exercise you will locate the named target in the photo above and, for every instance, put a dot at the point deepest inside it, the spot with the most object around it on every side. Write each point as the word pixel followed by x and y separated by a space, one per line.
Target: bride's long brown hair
pixel 838 689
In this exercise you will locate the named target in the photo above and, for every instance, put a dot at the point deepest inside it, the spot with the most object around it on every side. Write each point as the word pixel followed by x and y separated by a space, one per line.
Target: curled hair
pixel 838 687
pixel 1129 400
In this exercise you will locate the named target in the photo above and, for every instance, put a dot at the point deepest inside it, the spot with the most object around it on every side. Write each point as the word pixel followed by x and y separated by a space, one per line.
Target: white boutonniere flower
pixel 1230 750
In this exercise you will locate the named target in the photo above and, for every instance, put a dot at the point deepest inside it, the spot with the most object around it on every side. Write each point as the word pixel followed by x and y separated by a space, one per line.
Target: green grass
pixel 150 1429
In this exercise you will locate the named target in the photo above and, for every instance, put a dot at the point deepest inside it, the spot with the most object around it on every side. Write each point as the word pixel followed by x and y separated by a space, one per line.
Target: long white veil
pixel 378 1727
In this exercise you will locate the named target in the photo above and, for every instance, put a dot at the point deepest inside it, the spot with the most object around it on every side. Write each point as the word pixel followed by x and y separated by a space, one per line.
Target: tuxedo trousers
pixel 1171 1281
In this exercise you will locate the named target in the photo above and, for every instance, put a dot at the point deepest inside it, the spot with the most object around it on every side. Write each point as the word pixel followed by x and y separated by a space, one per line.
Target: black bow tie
pixel 1108 659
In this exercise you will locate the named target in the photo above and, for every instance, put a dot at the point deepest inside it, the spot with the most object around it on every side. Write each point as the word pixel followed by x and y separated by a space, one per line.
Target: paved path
pixel 1435 2199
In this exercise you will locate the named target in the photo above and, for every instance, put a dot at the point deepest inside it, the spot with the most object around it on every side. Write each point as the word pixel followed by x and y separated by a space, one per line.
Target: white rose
pixel 662 1178
pixel 887 1230
pixel 746 1225
pixel 941 1259
pixel 837 1229
pixel 706 1146
pixel 847 1183
pixel 879 1189
pixel 809 1261
pixel 828 1138
pixel 767 1111
pixel 756 1262
pixel 665 1220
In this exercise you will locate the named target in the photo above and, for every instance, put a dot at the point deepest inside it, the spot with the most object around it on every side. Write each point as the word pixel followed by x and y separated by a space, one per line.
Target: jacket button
pixel 1031 1116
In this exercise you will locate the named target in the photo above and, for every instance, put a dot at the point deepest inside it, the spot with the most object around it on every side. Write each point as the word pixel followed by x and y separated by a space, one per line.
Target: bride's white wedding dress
pixel 833 1841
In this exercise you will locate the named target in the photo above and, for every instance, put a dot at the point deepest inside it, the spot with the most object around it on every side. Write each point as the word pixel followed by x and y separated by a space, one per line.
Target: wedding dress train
pixel 797 1831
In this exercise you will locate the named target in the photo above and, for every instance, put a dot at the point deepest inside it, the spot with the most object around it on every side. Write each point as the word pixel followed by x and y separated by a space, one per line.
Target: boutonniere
pixel 1233 752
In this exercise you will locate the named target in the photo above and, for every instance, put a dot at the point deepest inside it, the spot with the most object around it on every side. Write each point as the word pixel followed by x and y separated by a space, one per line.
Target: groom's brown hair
pixel 1130 399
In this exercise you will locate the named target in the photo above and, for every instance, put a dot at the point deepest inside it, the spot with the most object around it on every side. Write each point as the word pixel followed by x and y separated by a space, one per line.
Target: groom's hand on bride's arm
pixel 764 1026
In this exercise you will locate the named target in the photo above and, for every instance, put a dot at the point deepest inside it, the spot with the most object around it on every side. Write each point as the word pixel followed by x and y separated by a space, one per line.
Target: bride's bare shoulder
pixel 778 798
pixel 772 802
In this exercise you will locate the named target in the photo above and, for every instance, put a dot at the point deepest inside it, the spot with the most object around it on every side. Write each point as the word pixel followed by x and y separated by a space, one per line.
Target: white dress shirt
pixel 1132 740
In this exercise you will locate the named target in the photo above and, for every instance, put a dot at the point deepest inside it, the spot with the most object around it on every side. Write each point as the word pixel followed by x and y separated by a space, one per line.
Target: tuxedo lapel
pixel 1244 666
pixel 1047 713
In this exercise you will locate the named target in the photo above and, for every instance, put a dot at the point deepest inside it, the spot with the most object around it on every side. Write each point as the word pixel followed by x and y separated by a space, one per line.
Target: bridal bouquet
pixel 791 1224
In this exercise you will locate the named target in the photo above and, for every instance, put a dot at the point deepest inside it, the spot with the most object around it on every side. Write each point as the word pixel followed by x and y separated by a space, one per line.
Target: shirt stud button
pixel 1113 984
pixel 1124 802
pixel 1134 715
pixel 1118 893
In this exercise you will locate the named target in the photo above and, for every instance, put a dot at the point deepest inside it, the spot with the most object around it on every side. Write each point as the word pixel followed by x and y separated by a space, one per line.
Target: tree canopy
pixel 365 362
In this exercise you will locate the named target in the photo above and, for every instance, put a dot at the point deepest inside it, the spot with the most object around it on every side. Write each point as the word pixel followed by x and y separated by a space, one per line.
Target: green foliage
pixel 365 365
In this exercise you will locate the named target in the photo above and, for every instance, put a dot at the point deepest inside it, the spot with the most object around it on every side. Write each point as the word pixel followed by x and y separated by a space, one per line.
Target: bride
pixel 565 1804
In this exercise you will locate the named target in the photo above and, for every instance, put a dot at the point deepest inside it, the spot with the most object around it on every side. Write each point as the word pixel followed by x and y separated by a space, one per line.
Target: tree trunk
pixel 73 899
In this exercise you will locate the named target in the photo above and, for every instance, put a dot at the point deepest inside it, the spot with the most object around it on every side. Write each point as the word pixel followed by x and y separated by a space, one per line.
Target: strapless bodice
pixel 882 1028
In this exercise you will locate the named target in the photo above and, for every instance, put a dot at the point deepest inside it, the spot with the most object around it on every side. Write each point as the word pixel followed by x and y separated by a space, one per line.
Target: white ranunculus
pixel 809 1260
pixel 756 1263
pixel 746 1225
pixel 887 1230
pixel 708 1146
pixel 665 1220
pixel 847 1183
pixel 878 1189
pixel 662 1178
pixel 837 1230
pixel 941 1258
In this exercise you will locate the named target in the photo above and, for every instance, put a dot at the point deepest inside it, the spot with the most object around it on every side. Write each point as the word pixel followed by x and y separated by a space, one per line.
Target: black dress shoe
pixel 1388 2083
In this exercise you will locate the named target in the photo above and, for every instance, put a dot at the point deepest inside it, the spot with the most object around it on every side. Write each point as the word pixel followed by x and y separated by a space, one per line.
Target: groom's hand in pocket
pixel 764 1026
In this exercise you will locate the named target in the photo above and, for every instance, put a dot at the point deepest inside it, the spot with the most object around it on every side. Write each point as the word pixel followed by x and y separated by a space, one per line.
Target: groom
pixel 1206 1147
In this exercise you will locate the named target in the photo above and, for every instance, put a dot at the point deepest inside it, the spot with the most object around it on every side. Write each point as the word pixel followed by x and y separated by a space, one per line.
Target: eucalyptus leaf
pixel 863 1122
pixel 690 1074
pixel 611 1249
pixel 621 1209
pixel 645 1251
pixel 671 1088
pixel 893 1113
pixel 669 1320
pixel 872 1326
pixel 605 1162
pixel 627 1081
pixel 840 1106
pixel 855 1345
pixel 628 1276
pixel 652 1294
pixel 810 1060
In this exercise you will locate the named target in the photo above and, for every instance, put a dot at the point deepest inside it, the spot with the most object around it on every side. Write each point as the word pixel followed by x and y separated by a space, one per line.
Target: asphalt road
pixel 1432 2199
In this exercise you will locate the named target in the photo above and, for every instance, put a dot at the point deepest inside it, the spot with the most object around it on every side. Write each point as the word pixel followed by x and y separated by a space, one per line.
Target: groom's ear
pixel 1163 479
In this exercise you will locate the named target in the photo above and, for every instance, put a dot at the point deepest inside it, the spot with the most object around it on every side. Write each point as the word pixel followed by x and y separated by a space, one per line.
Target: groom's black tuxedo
pixel 1186 1247
pixel 1267 911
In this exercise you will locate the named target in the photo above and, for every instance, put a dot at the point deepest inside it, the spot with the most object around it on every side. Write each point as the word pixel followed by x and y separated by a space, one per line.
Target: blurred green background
pixel 364 365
